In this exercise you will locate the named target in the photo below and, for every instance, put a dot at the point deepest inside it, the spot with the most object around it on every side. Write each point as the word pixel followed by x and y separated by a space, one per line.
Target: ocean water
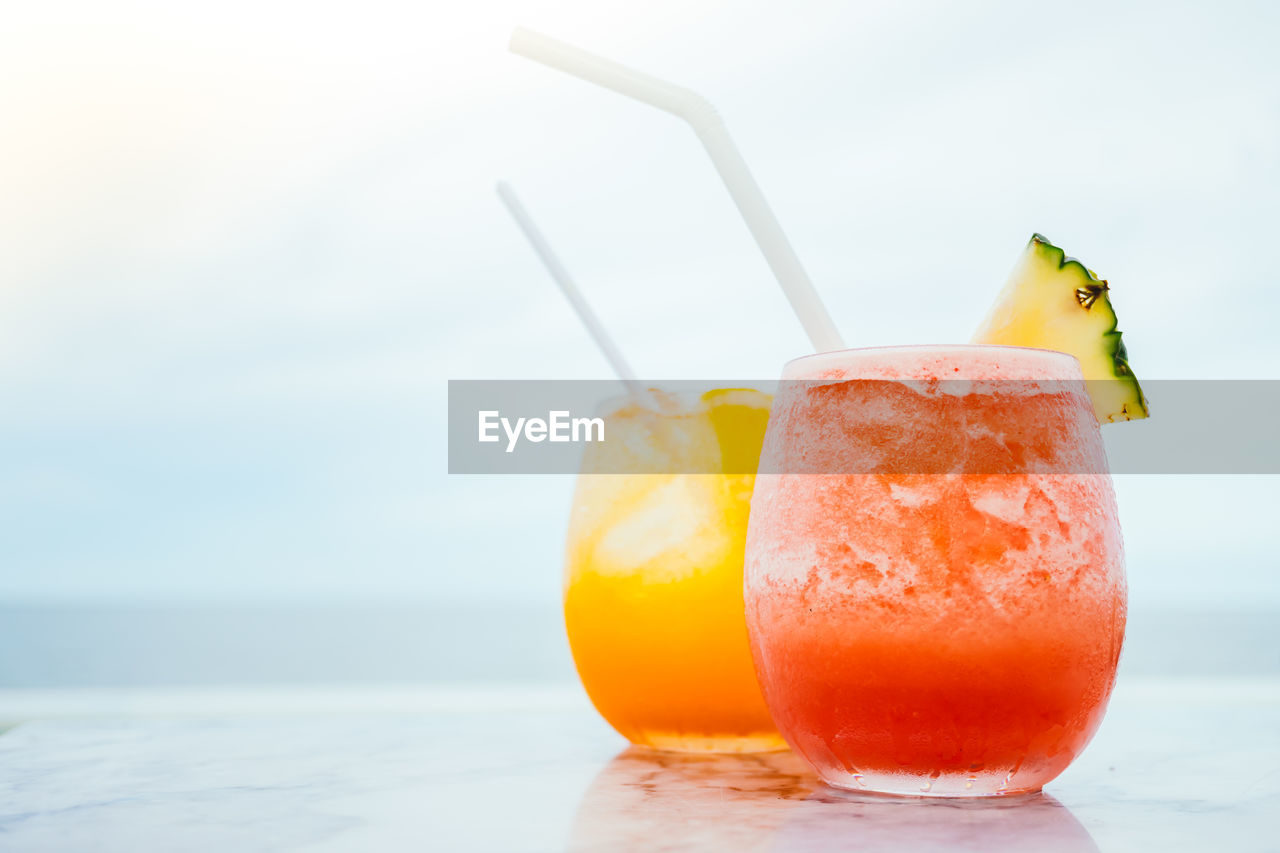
pixel 44 647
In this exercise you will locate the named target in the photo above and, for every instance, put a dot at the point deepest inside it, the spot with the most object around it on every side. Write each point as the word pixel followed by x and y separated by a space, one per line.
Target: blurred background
pixel 245 245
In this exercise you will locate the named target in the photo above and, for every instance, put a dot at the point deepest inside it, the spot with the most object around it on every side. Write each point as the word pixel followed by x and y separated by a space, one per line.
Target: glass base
pixel 956 785
pixel 729 744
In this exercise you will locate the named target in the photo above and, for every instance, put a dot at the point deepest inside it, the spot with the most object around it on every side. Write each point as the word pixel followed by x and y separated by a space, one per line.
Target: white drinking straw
pixel 706 122
pixel 567 286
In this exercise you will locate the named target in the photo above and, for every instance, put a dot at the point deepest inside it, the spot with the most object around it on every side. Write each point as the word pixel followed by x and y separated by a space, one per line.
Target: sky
pixel 245 246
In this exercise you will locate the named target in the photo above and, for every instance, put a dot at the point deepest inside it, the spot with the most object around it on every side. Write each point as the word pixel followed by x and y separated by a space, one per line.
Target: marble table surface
pixel 1179 764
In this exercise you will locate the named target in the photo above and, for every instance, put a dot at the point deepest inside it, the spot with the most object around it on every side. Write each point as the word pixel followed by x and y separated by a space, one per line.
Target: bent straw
pixel 711 130
pixel 567 286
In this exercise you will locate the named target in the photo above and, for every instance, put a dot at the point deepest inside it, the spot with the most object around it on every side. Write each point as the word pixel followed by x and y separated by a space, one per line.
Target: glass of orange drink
pixel 935 582
pixel 654 572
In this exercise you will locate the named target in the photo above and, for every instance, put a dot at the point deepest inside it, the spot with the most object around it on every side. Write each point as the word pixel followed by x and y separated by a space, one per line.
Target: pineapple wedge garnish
pixel 1055 302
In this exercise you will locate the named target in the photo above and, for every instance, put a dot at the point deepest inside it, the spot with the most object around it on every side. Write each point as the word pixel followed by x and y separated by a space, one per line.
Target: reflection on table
pixel 648 801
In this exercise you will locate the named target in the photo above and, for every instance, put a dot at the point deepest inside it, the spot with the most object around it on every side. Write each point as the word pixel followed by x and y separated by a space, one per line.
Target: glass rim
pixel 1051 354
pixel 692 398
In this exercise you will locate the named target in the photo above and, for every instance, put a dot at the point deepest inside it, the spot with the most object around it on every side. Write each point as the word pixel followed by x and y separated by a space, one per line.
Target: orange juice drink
pixel 653 580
